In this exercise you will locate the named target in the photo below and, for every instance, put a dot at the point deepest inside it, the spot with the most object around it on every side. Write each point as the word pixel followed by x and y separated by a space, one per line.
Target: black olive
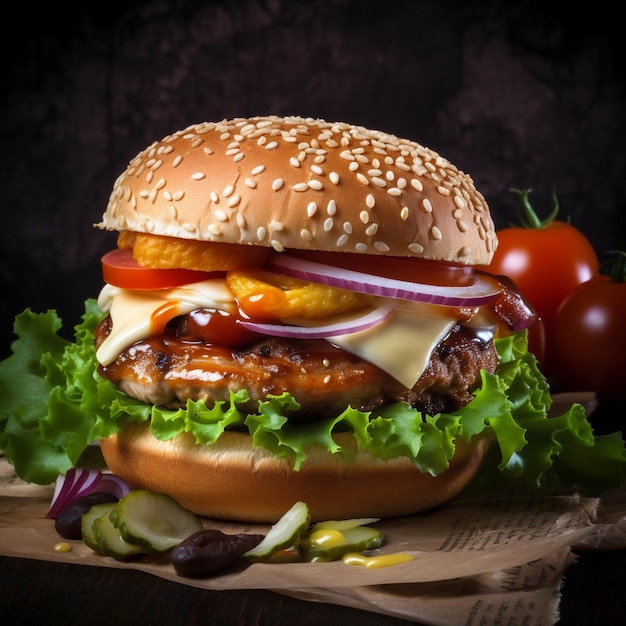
pixel 68 523
pixel 208 551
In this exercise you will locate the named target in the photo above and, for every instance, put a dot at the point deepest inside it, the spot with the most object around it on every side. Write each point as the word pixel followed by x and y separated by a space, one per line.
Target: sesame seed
pixel 362 179
pixel 167 195
pixel 379 182
pixel 462 226
pixel 360 247
pixel 334 178
pixel 342 240
pixel 260 233
pixel 259 169
pixel 198 176
pixel 277 184
pixel 404 213
pixel 234 201
pixel 190 228
pixel 416 248
pixel 316 169
pixel 228 191
pixel 353 167
pixel 364 217
pixel 239 156
pixel 220 215
pixel 331 207
pixel 444 191
pixel 436 234
pixel 381 246
pixel 315 184
pixel 277 245
pixel 294 162
pixel 306 235
pixel 271 145
pixel 427 206
pixel 417 184
pixel 374 172
pixel 347 226
pixel 370 201
pixel 311 209
pixel 394 191
pixel 328 224
pixel 347 155
pixel 465 251
pixel 458 200
pixel 248 182
pixel 300 187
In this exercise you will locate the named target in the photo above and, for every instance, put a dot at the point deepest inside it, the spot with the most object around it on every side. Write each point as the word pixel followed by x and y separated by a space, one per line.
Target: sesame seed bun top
pixel 304 184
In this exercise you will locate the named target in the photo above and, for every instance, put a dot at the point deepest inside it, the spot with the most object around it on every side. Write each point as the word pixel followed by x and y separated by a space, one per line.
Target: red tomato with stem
pixel 546 259
pixel 589 336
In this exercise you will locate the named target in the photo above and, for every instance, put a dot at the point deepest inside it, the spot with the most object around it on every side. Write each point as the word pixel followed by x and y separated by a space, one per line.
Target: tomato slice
pixel 120 269
pixel 409 269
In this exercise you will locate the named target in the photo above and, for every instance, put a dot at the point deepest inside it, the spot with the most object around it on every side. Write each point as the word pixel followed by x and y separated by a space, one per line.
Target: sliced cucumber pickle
pixel 110 540
pixel 328 544
pixel 86 523
pixel 283 534
pixel 154 521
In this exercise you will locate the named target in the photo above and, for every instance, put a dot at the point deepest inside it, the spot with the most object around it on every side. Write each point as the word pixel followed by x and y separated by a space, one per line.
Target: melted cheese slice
pixel 401 346
pixel 134 313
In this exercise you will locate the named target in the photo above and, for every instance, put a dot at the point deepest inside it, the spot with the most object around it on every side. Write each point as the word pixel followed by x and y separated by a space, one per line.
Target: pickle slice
pixel 87 520
pixel 328 544
pixel 110 540
pixel 154 521
pixel 283 534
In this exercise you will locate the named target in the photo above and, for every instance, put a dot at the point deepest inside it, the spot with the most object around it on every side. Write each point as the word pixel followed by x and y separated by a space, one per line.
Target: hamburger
pixel 293 312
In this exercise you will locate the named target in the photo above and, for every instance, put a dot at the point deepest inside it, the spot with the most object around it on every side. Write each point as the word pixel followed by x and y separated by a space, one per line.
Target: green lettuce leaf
pixel 53 404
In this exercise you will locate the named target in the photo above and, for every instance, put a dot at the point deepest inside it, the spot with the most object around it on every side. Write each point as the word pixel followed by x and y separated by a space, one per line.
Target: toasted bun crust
pixel 233 479
pixel 303 184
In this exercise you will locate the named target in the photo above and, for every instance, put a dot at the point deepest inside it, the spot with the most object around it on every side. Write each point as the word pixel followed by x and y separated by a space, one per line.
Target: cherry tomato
pixel 546 259
pixel 119 268
pixel 589 338
pixel 216 326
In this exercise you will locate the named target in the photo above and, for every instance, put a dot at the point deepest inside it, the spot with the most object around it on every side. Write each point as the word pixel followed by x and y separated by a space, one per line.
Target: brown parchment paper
pixel 474 561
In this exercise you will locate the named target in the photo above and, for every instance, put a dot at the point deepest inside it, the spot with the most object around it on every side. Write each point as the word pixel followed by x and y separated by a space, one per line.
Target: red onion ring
pixel 481 292
pixel 346 326
pixel 78 482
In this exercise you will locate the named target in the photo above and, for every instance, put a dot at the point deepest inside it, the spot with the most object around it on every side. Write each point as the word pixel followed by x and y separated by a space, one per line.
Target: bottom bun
pixel 235 480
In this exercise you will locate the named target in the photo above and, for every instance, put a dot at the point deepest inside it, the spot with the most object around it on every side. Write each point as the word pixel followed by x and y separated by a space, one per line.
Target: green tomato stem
pixel 615 267
pixel 528 216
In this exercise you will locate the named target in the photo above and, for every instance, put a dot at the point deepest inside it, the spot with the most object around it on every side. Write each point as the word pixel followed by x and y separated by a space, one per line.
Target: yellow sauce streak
pixel 375 562
pixel 327 538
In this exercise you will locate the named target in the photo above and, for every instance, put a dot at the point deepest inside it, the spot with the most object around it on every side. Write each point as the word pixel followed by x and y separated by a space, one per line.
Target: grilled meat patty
pixel 167 370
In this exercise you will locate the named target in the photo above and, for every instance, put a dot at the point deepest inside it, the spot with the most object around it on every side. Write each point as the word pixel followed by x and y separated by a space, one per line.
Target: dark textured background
pixel 525 94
